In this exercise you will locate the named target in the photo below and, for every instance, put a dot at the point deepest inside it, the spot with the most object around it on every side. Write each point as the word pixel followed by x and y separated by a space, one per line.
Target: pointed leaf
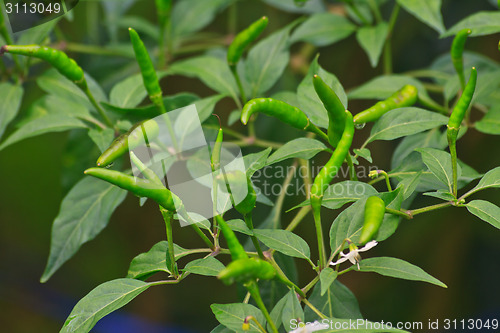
pixel 305 148
pixel 326 278
pixel 11 97
pixel 427 11
pixel 208 266
pixel 482 23
pixel 439 163
pixel 233 315
pixel 372 40
pixel 486 211
pixel 323 29
pixel 284 241
pixel 490 180
pixel 292 310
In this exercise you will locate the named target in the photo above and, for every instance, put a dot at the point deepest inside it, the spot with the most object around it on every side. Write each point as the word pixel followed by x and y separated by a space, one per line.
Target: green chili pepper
pixel 65 65
pixel 142 132
pixel 139 187
pixel 374 215
pixel 324 178
pixel 148 71
pixel 215 158
pixel 456 118
pixel 406 96
pixel 457 50
pixel 243 39
pixel 285 112
pixel 335 108
pixel 328 172
pixel 239 182
pixel 244 270
pixel 463 104
pixel 148 173
pixel 234 245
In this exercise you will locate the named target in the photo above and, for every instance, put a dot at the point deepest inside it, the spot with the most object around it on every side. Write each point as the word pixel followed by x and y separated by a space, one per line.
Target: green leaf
pixel 439 163
pixel 214 72
pixel 291 310
pixel 309 101
pixel 284 241
pixel 256 161
pixel 339 194
pixel 364 153
pixel 326 278
pixel 427 11
pixel 372 40
pixel 482 23
pixel 128 93
pixel 337 302
pixel 490 123
pixel 142 25
pixel 267 60
pixel 100 302
pixel 323 29
pixel 490 179
pixel 431 139
pixel 146 264
pixel 102 137
pixel 443 195
pixel 56 105
pixel 11 97
pixel 42 125
pixel 84 212
pixel 397 268
pixel 277 311
pixel 233 315
pixel 221 329
pixel 410 184
pixel 486 211
pixel 208 266
pixel 305 148
pixel 189 16
pixel 239 226
pixel 312 6
pixel 405 121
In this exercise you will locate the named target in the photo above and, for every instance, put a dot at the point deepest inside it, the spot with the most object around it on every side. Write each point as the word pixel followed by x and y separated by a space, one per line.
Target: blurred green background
pixel 451 244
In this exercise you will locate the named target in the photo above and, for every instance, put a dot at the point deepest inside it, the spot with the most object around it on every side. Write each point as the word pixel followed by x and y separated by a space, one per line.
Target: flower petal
pixel 341 260
pixel 368 246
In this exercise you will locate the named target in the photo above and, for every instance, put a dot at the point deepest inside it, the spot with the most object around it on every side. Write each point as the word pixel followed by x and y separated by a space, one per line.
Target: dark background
pixel 452 245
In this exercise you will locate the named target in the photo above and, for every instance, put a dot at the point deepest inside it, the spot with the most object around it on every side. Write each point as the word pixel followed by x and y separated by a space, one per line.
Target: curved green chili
pixel 58 59
pixel 457 50
pixel 324 178
pixel 244 270
pixel 139 187
pixel 406 96
pixel 285 112
pixel 245 38
pixel 234 245
pixel 374 215
pixel 456 118
pixel 148 71
pixel 334 107
pixel 144 131
pixel 237 180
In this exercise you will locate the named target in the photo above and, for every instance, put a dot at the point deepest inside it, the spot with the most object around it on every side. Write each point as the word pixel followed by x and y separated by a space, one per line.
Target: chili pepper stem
pixel 255 241
pixel 182 212
pixel 254 291
pixel 310 284
pixel 319 231
pixel 388 43
pixel 452 142
pixel 283 278
pixel 167 217
pixel 259 326
pixel 234 70
pixel 315 310
pixel 429 208
pixel 352 170
pixel 92 100
pixel 298 218
pixel 404 214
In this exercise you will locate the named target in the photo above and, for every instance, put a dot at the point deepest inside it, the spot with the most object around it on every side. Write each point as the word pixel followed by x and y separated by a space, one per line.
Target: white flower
pixel 353 255
pixel 310 327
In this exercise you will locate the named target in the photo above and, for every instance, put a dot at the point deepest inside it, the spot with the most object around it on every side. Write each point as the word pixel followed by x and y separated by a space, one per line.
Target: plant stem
pixel 259 326
pixel 396 174
pixel 283 278
pixel 352 171
pixel 254 291
pixel 306 176
pixel 375 10
pixel 167 217
pixel 310 284
pixel 234 70
pixel 429 208
pixel 101 112
pixel 356 11
pixel 388 42
pixel 255 241
pixel 93 49
pixel 452 142
pixel 298 218
pixel 319 235
pixel 398 212
pixel 312 307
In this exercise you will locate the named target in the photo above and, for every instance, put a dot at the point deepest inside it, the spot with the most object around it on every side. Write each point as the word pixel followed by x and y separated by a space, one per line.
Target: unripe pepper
pixel 406 96
pixel 238 184
pixel 374 215
pixel 58 59
pixel 139 187
pixel 139 133
pixel 334 107
pixel 243 39
pixel 285 112
pixel 457 50
pixel 244 270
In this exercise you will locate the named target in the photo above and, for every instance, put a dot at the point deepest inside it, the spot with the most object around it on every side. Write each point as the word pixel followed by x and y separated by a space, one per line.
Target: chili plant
pixel 427 111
